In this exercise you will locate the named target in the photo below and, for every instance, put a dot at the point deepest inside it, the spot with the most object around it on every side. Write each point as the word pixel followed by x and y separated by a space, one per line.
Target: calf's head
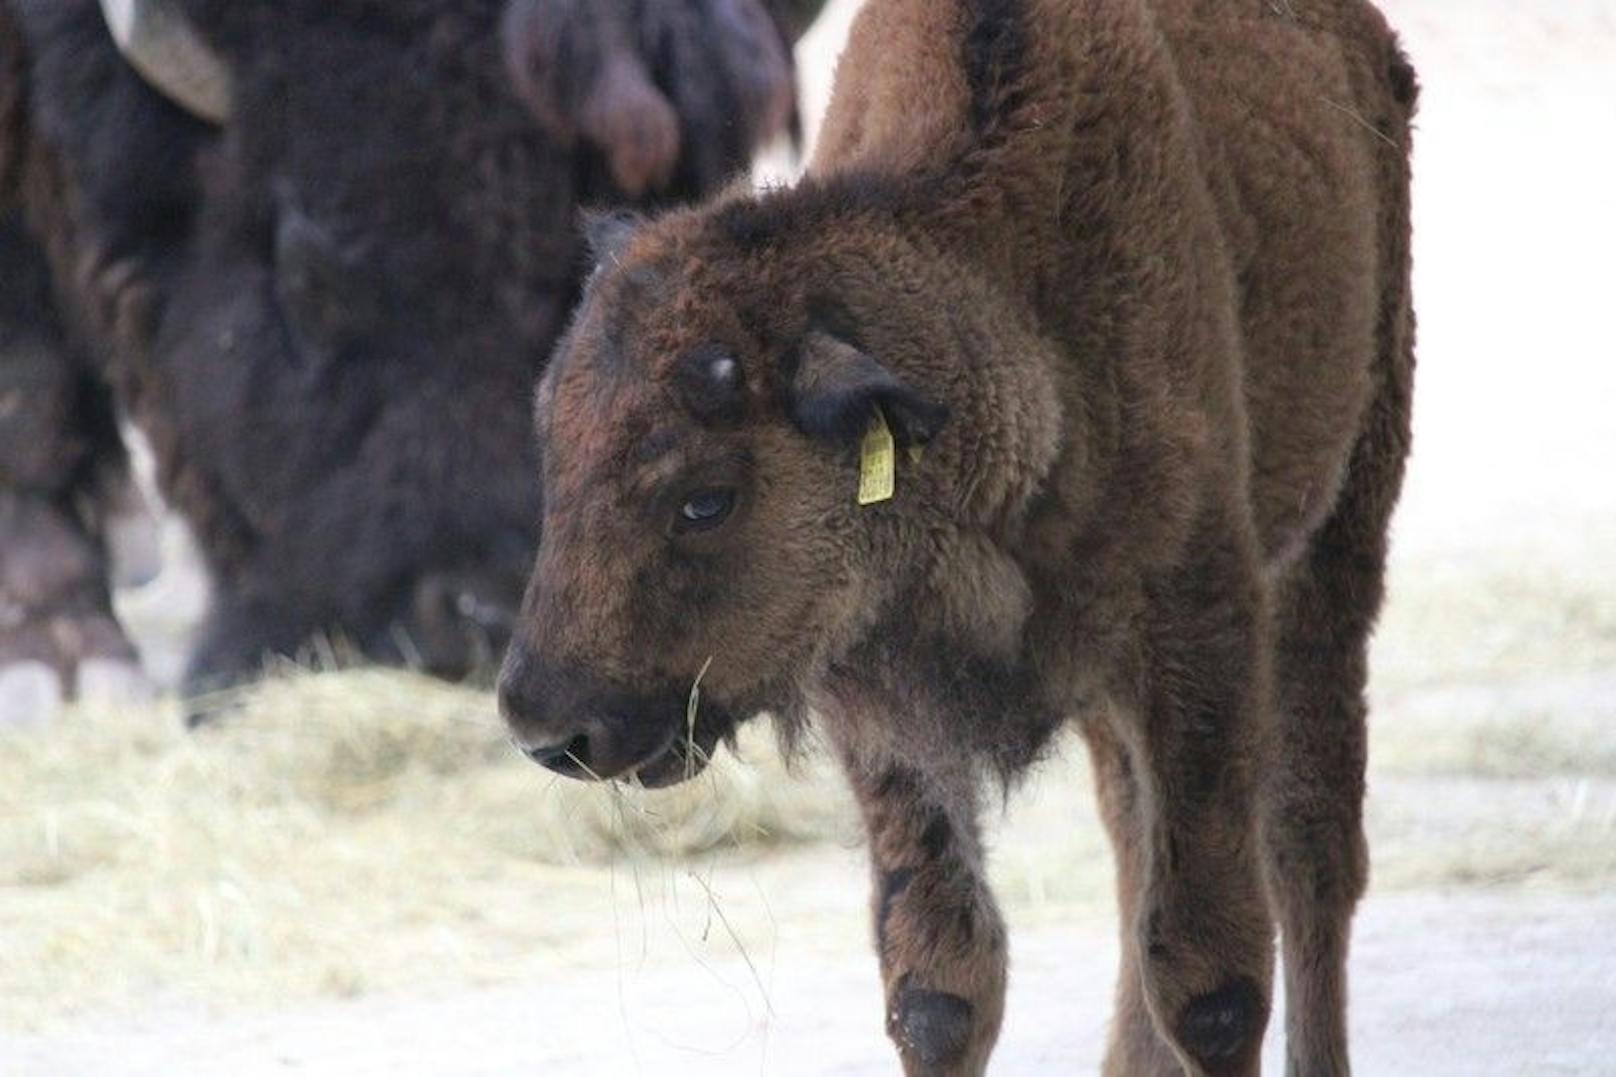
pixel 702 548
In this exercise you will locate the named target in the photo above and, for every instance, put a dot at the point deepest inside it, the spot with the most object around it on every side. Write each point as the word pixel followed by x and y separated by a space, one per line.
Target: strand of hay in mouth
pixel 332 832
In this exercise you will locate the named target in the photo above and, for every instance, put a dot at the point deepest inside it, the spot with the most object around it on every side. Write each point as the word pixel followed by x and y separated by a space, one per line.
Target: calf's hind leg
pixel 1317 858
pixel 937 930
pixel 1135 1049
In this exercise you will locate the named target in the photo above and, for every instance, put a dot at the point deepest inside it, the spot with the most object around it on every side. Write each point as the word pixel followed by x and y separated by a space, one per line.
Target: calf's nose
pixel 529 713
pixel 556 722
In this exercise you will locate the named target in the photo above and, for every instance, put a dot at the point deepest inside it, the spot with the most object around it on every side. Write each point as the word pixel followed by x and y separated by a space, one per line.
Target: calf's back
pixel 1253 154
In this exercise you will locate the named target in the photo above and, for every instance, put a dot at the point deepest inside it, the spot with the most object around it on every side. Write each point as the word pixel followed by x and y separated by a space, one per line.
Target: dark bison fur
pixel 327 313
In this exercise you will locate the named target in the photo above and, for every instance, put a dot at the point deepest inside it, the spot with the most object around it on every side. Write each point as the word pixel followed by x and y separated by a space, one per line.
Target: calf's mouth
pixel 686 756
pixel 657 754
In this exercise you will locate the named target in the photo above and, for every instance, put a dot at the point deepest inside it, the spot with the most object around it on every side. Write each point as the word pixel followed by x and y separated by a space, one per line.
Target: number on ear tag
pixel 877 462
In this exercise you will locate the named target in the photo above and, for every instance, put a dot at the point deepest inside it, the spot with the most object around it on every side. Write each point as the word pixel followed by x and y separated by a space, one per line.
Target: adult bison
pixel 317 251
pixel 1071 385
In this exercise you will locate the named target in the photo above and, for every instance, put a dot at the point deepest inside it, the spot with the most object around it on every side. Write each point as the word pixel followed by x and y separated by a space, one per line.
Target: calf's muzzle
pixel 576 725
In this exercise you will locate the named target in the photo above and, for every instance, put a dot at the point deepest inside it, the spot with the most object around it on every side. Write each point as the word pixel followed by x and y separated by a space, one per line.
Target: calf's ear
pixel 836 388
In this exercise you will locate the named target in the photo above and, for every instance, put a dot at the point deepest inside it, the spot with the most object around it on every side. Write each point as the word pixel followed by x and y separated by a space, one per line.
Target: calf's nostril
pixel 570 757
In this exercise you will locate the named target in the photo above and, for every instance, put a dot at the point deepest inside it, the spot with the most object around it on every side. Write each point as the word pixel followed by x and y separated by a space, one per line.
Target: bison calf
pixel 1071 385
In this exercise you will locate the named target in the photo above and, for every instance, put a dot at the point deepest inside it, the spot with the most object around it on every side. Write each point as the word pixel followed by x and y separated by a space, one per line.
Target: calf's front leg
pixel 939 935
pixel 1193 732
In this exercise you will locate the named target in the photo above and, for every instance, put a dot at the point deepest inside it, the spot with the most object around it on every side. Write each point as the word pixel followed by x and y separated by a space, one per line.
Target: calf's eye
pixel 704 510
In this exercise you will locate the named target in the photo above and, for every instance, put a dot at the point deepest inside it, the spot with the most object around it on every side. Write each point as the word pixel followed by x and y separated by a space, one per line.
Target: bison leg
pixel 64 483
pixel 1203 936
pixel 58 636
pixel 1313 821
pixel 937 929
pixel 1318 859
pixel 1135 1048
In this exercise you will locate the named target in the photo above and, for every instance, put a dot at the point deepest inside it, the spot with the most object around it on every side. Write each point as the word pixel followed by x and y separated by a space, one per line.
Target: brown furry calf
pixel 1135 275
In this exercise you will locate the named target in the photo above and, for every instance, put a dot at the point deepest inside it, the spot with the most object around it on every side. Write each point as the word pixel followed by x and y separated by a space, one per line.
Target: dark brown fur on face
pixel 1133 274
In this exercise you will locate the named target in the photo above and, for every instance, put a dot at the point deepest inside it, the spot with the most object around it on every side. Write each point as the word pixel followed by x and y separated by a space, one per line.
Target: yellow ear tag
pixel 877 462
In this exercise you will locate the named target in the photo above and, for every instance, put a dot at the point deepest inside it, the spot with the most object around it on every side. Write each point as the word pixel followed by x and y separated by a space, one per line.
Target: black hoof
pixel 935 1026
pixel 1220 1026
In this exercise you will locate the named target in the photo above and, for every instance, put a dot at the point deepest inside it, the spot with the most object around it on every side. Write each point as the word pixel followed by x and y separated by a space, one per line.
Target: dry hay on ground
pixel 337 832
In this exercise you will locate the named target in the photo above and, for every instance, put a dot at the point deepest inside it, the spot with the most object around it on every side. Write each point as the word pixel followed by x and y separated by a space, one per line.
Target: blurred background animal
pixel 316 253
